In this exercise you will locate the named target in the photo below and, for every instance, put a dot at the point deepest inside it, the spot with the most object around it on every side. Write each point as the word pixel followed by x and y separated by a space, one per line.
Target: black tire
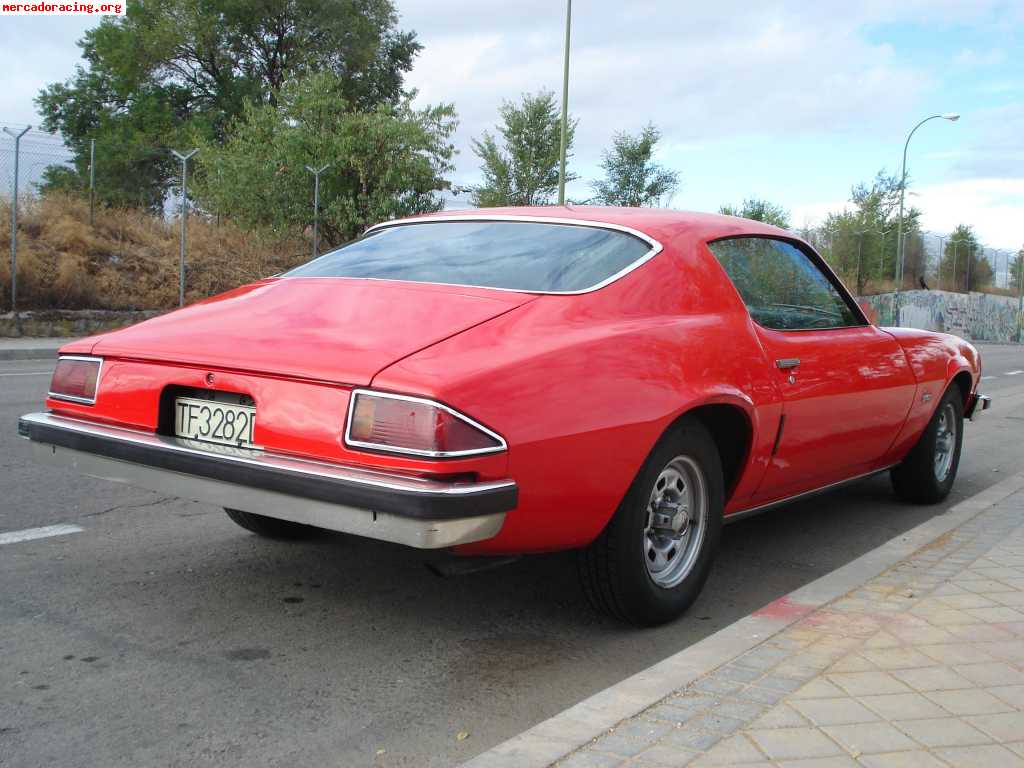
pixel 613 571
pixel 915 479
pixel 271 527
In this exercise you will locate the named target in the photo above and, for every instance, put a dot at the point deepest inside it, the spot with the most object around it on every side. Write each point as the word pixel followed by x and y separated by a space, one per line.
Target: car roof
pixel 659 223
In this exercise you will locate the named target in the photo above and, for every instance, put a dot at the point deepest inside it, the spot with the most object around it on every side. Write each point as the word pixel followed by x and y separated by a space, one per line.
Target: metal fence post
pixel 92 182
pixel 184 222
pixel 316 206
pixel 14 220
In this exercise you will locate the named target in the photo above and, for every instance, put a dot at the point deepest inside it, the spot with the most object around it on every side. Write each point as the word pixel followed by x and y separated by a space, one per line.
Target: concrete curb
pixel 569 730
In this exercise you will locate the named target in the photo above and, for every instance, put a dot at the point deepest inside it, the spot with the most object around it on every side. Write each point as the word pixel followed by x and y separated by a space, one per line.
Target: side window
pixel 782 288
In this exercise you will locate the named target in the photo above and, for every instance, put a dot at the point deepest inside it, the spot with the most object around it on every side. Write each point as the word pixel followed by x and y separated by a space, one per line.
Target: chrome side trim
pixel 71 398
pixel 263 459
pixel 413 532
pixel 743 514
pixel 502 445
pixel 656 248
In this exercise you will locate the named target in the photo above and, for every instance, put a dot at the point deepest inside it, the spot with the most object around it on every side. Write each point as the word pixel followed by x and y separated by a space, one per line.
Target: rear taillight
pixel 401 424
pixel 76 379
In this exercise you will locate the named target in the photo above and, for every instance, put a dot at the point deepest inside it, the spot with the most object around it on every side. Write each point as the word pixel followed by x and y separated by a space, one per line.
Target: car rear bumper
pixel 422 513
pixel 978 405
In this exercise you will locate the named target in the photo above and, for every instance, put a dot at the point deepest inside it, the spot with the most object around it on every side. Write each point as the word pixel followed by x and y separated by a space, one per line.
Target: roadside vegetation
pixel 129 258
pixel 270 92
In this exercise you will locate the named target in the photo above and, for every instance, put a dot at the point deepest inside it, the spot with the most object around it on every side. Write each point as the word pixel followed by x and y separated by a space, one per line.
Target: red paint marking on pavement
pixel 784 608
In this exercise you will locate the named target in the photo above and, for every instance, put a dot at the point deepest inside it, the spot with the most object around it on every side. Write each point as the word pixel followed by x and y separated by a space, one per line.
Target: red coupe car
pixel 618 381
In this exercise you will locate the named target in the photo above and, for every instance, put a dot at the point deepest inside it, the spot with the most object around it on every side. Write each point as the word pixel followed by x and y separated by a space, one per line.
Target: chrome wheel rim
pixel 945 441
pixel 676 522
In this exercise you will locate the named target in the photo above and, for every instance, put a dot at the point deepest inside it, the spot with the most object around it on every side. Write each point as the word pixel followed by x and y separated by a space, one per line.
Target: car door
pixel 846 385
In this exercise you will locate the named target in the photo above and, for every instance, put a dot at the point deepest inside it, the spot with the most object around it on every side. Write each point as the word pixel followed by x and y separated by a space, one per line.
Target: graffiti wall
pixel 974 316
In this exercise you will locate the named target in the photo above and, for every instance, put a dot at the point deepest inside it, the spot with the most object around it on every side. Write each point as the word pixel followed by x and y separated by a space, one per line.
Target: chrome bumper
pixel 407 510
pixel 979 404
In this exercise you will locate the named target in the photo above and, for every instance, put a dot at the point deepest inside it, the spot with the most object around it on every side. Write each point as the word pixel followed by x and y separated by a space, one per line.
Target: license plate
pixel 214 422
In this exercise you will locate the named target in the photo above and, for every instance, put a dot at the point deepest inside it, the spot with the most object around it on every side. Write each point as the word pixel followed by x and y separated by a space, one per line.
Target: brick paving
pixel 922 666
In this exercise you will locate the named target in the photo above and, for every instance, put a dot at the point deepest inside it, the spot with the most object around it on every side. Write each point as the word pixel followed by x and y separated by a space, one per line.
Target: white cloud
pixel 994 207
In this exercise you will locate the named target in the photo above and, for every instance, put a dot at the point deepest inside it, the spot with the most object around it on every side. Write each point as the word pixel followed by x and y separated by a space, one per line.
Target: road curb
pixel 580 724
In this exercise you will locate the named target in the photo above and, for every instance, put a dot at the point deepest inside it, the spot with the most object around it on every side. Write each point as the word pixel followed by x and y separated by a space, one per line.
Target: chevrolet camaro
pixel 615 381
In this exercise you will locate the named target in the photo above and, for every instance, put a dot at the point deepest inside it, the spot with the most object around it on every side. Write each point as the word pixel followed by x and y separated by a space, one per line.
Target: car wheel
pixel 927 473
pixel 651 561
pixel 271 527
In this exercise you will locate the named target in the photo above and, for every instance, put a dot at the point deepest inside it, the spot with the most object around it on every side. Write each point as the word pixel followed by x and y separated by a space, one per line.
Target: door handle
pixel 787 362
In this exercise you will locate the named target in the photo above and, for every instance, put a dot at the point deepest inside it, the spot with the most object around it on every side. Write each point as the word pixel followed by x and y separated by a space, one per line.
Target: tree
pixel 632 178
pixel 860 243
pixel 175 68
pixel 384 163
pixel 964 265
pixel 524 171
pixel 1017 270
pixel 759 210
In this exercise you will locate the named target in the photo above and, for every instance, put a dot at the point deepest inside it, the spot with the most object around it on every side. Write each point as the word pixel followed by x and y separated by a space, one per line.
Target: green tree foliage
pixel 631 177
pixel 860 242
pixel 384 163
pixel 523 169
pixel 759 210
pixel 1017 270
pixel 172 68
pixel 964 265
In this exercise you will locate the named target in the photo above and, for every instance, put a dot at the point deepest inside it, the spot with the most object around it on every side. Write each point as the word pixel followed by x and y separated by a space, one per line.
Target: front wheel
pixel 651 561
pixel 927 473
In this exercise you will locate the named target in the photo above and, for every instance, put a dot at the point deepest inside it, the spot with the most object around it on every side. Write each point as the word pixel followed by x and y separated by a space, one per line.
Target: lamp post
pixel 316 206
pixel 184 157
pixel 938 278
pixel 565 105
pixel 952 117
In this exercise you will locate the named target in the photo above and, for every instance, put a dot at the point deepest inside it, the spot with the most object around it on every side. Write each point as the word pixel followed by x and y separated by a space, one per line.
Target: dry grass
pixel 129 259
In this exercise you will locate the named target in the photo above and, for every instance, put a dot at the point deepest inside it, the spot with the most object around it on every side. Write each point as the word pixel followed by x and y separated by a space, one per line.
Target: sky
pixel 791 101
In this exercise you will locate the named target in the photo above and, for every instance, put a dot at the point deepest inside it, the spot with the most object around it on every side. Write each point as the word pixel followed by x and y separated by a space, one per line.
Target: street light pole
pixel 952 117
pixel 14 222
pixel 316 205
pixel 938 279
pixel 184 222
pixel 565 105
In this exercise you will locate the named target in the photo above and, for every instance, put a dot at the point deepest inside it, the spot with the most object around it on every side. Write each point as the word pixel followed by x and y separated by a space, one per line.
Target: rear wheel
pixel 271 527
pixel 651 561
pixel 927 474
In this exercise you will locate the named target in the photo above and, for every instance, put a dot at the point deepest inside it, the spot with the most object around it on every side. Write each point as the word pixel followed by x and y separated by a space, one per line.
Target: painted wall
pixel 974 316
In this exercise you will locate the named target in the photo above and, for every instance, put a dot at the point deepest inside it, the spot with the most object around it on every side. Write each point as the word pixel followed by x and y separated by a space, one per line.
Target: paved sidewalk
pixel 920 666
pixel 30 348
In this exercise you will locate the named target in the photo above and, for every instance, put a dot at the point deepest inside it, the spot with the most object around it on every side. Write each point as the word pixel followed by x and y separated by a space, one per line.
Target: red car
pixel 618 381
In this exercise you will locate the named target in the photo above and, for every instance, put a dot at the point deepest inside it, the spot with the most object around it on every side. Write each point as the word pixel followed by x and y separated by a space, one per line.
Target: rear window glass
pixel 522 256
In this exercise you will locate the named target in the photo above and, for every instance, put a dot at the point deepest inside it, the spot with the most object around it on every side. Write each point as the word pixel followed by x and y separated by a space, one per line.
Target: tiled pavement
pixel 922 666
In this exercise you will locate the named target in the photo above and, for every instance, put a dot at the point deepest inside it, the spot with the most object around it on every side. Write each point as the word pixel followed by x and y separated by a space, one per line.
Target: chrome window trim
pixel 71 398
pixel 656 248
pixel 502 445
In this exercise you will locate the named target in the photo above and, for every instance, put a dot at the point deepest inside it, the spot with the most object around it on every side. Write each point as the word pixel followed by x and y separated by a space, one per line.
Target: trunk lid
pixel 329 329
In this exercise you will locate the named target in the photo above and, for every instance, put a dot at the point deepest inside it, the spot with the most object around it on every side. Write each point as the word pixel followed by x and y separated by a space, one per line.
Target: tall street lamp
pixel 565 105
pixel 952 117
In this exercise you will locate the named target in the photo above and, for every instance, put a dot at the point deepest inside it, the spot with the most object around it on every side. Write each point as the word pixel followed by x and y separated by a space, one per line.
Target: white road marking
pixel 13 537
pixel 1013 373
pixel 29 373
pixel 986 378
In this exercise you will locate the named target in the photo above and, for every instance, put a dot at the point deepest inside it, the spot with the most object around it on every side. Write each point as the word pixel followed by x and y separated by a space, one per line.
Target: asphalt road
pixel 163 635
